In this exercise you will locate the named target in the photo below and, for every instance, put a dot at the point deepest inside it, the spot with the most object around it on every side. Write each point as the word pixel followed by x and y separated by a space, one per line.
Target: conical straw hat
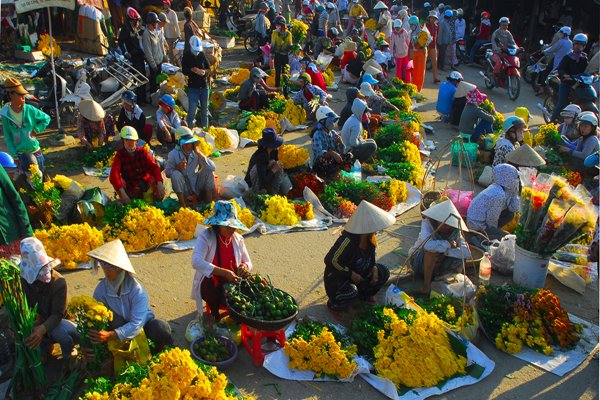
pixel 91 110
pixel 369 218
pixel 113 253
pixel 463 88
pixel 371 62
pixel 448 214
pixel 525 156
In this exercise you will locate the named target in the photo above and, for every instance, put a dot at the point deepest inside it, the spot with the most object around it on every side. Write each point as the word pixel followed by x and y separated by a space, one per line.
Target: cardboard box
pixel 89 38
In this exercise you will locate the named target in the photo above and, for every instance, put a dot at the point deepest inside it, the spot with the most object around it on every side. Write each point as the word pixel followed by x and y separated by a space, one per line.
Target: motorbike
pixel 509 77
pixel 461 52
pixel 535 68
pixel 69 104
pixel 583 94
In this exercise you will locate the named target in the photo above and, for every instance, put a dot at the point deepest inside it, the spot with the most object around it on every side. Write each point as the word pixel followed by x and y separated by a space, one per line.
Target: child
pixel 567 128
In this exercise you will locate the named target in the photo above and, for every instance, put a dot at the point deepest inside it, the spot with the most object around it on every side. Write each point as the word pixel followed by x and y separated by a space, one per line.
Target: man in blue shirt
pixel 561 48
pixel 446 94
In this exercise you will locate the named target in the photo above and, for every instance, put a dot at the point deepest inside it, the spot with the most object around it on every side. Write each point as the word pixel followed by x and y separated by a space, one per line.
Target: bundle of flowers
pixel 292 156
pixel 244 214
pixel 278 210
pixel 354 192
pixel 365 49
pixel 328 77
pixel 43 45
pixel 63 182
pixel 403 171
pixel 254 127
pixel 89 314
pixel 409 88
pixel 44 195
pixel 231 93
pixel 396 156
pixel 277 104
pixel 552 214
pixel 239 76
pixel 306 179
pixel 423 39
pixel 184 222
pixel 371 24
pixel 217 100
pixel 488 106
pixel 395 189
pixel 222 139
pixel 299 30
pixel 393 133
pixel 180 112
pixel 450 310
pixel 172 374
pixel 304 210
pixel 548 136
pixel 513 317
pixel 294 113
pixel 271 120
pixel 270 79
pixel 402 102
pixel 320 347
pixel 101 157
pixel 70 243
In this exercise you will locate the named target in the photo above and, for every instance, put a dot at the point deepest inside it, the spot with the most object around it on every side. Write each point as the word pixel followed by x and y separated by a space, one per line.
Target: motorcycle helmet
pixel 133 14
pixel 456 76
pixel 504 20
pixel 413 20
pixel 580 38
pixel 151 18
pixel 320 8
pixel 588 117
pixel 330 6
pixel 279 20
pixel 354 31
pixel 460 11
pixel 397 23
pixel 166 3
pixel 129 133
pixel 325 112
pixel 7 161
pixel 257 73
pixel 572 110
pixel 334 31
pixel 448 13
pixel 167 100
pixel 129 97
pixel 305 3
pixel 485 15
pixel 566 30
pixel 195 45
pixel 511 122
pixel 512 50
pixel 426 5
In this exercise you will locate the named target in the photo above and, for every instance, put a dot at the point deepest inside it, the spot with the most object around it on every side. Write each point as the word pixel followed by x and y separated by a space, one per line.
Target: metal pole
pixel 53 71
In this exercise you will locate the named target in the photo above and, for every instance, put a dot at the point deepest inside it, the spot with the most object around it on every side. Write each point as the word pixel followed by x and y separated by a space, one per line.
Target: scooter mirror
pixel 541 42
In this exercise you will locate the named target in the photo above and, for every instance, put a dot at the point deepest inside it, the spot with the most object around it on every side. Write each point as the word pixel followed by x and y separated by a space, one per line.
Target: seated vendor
pixel 305 96
pixel 265 173
pixel 513 128
pixel 351 270
pixel 586 145
pixel 376 101
pixel 191 172
pixel 440 247
pixel 474 121
pixel 220 256
pixel 353 69
pixel 446 95
pixel 134 174
pixel 352 133
pixel 496 205
pixel 459 101
pixel 93 125
pixel 327 146
pixel 127 298
pixel 351 94
pixel 567 127
pixel 132 115
pixel 252 95
pixel 46 289
pixel 316 77
pixel 168 120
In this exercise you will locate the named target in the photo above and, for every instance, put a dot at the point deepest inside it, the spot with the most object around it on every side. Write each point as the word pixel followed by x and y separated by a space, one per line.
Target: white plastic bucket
pixel 530 269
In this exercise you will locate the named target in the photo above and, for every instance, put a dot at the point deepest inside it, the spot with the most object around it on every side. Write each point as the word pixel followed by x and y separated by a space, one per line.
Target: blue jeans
pixel 27 159
pixel 482 128
pixel 478 43
pixel 197 96
pixel 65 334
pixel 564 90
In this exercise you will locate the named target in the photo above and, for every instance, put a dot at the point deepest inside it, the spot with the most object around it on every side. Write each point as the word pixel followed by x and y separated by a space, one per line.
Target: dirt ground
pixel 294 261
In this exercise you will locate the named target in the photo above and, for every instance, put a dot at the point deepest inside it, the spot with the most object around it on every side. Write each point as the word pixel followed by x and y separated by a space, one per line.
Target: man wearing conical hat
pixel 125 296
pixel 440 247
pixel 351 270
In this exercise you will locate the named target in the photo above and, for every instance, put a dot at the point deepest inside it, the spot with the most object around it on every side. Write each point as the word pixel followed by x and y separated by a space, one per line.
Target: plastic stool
pixel 252 341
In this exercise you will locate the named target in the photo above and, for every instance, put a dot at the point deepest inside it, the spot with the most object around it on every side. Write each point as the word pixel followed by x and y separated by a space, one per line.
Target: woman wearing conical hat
pixel 125 296
pixel 351 271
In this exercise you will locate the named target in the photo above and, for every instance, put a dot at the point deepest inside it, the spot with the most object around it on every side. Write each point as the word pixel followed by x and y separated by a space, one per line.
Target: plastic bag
pixel 455 285
pixel 461 199
pixel 135 350
pixel 502 254
pixel 233 186
pixel 487 177
pixel 194 330
pixel 395 296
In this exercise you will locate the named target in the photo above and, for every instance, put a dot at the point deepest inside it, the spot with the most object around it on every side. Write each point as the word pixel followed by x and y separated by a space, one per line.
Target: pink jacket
pixel 399 43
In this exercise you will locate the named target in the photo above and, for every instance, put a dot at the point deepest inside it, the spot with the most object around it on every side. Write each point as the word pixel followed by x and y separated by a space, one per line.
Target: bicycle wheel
pixel 251 44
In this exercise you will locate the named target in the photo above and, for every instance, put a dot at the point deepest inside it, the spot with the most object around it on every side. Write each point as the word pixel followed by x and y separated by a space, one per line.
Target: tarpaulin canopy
pixel 23 6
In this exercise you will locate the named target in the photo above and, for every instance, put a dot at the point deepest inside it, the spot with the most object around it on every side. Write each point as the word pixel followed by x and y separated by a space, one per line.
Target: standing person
pixel 191 172
pixel 323 17
pixel 574 63
pixel 351 268
pixel 352 132
pixel 451 51
pixel 154 49
pixel 172 32
pixel 265 173
pixel 384 22
pixel 131 47
pixel 281 45
pixel 399 45
pixel 46 292
pixel 132 115
pixel 14 220
pixel 432 49
pixel 190 28
pixel 123 294
pixel 334 17
pixel 262 23
pixel 197 68
pixel 482 36
pixel 419 39
pixel 444 40
pixel 460 27
pixel 20 124
pixel 355 12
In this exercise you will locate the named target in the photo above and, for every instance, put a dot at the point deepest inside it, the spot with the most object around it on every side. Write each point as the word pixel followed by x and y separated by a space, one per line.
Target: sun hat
pixel 463 89
pixel 369 79
pixel 433 14
pixel 367 89
pixel 14 85
pixel 188 139
pixel 525 156
pixel 380 6
pixel 7 161
pixel 476 97
pixel 182 131
pixel 371 62
pixel 34 258
pixel 368 218
pixel 257 72
pixel 446 213
pixel 113 253
pixel 397 23
pixel 129 133
pixel 225 214
pixel 167 2
pixel 91 110
pixel 270 139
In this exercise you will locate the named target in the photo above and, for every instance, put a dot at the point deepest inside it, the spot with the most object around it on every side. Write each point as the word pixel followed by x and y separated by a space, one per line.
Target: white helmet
pixel 572 110
pixel 325 112
pixel 380 6
pixel 129 133
pixel 587 116
pixel 195 44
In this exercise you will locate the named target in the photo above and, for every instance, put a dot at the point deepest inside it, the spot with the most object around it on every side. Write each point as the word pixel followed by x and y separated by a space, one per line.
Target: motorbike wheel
pixel 514 86
pixel 528 76
pixel 548 105
pixel 69 113
pixel 251 44
pixel 488 79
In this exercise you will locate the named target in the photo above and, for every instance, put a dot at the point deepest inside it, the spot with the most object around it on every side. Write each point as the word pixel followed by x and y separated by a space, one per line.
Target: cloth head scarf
pixel 34 259
pixel 476 97
pixel 507 177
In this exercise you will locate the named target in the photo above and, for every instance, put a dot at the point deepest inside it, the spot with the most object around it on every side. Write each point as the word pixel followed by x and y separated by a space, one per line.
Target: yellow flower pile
pixel 184 222
pixel 371 24
pixel 294 113
pixel 244 214
pixel 545 134
pixel 240 76
pixel 88 312
pixel 231 94
pixel 396 190
pixel 43 45
pixel 279 211
pixel 70 243
pixel 217 100
pixel 270 80
pixel 328 77
pixel 416 355
pixel 174 375
pixel 63 182
pixel 177 80
pixel 254 128
pixel 292 156
pixel 299 29
pixel 222 139
pixel 142 228
pixel 272 120
pixel 322 355
pixel 204 147
pixel 410 153
pixel 513 335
